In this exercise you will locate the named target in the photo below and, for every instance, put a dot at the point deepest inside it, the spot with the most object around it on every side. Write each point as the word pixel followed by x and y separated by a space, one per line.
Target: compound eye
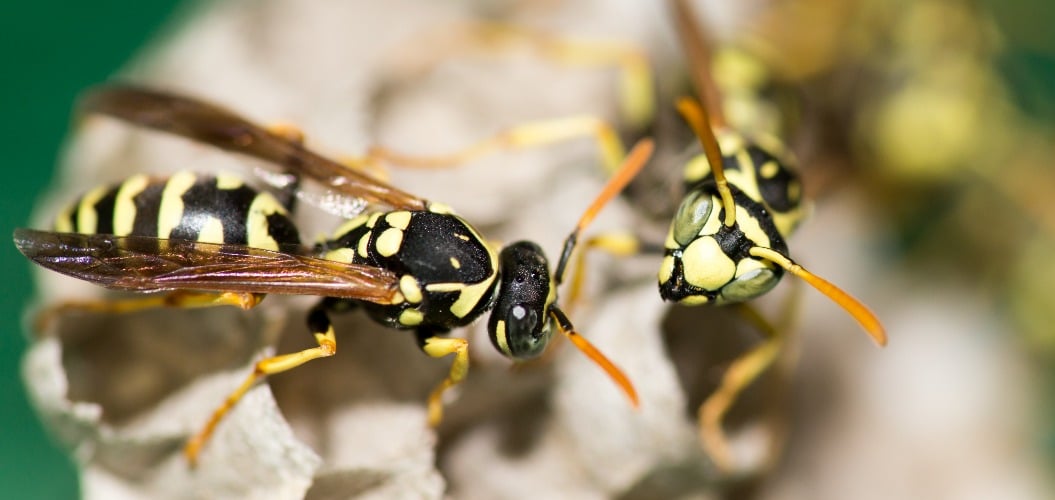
pixel 749 285
pixel 526 332
pixel 692 215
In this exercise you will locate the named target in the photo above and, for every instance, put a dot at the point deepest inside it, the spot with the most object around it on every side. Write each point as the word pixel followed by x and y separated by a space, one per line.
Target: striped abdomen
pixel 186 206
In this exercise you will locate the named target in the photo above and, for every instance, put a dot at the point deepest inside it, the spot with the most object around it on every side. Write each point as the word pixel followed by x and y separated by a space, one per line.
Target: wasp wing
pixel 145 264
pixel 225 129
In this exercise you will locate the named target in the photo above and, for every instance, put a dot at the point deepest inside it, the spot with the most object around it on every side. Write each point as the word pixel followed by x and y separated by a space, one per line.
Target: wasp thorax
pixel 519 326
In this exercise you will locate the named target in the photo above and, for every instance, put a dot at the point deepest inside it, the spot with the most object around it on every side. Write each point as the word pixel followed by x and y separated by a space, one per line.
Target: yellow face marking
pixel 769 170
pixel 455 264
pixel 500 337
pixel 227 181
pixel 171 210
pixel 363 247
pixel 124 204
pixel 694 300
pixel 410 288
pixel 350 225
pixel 211 231
pixel 461 236
pixel 345 255
pixel 411 317
pixel 388 243
pixel 706 266
pixel 751 228
pixel 257 229
pixel 398 220
pixel 87 218
pixel 669 241
pixel 714 222
pixel 666 269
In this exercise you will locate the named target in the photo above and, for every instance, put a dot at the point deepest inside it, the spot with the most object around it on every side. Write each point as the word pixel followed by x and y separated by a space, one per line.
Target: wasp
pixel 212 240
pixel 727 240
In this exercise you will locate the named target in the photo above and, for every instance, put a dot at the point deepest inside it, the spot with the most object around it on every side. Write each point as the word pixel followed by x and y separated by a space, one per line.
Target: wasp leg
pixel 636 83
pixel 439 347
pixel 319 323
pixel 527 135
pixel 179 298
pixel 741 373
pixel 616 243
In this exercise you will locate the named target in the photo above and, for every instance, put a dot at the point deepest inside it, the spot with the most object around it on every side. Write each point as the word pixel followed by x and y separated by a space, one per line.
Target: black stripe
pixel 104 211
pixel 205 201
pixel 74 215
pixel 148 207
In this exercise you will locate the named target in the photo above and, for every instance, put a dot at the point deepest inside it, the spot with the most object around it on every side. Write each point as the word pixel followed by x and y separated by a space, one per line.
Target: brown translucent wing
pixel 144 264
pixel 225 129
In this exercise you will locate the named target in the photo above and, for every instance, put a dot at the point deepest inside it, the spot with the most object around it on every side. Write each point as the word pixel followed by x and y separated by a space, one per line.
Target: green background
pixel 51 50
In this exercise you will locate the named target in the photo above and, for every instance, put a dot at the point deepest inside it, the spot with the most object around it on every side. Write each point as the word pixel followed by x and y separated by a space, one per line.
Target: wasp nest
pixel 124 392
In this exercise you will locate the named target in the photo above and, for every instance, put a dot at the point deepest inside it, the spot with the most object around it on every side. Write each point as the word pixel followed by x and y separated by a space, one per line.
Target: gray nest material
pixel 123 393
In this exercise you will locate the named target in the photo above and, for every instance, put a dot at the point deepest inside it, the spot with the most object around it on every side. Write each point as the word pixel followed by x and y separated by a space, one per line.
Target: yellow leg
pixel 527 135
pixel 741 373
pixel 327 347
pixel 182 299
pixel 439 347
pixel 617 243
pixel 637 94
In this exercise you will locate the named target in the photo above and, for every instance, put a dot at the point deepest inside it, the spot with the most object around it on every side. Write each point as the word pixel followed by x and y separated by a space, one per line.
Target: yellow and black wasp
pixel 726 242
pixel 212 240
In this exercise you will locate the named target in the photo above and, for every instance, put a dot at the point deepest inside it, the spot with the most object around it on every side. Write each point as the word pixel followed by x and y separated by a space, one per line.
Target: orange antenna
pixel 865 317
pixel 595 355
pixel 629 169
pixel 696 116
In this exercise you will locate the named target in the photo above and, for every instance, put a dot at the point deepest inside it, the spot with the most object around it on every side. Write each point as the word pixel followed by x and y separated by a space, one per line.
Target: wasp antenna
pixel 595 355
pixel 632 164
pixel 696 116
pixel 865 317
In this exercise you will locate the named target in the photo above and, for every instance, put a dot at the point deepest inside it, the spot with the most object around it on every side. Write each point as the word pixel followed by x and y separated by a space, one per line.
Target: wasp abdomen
pixel 185 206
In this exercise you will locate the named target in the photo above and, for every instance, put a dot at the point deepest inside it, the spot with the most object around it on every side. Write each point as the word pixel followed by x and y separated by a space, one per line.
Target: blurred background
pixel 53 50
pixel 936 116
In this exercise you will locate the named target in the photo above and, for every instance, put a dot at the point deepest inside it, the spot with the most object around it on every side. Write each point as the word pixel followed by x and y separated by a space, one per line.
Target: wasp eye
pixel 521 333
pixel 750 285
pixel 693 214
